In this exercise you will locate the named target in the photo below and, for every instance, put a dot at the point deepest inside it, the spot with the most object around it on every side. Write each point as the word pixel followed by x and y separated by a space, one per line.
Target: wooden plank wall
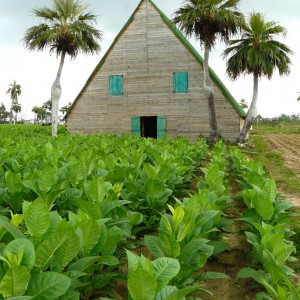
pixel 146 54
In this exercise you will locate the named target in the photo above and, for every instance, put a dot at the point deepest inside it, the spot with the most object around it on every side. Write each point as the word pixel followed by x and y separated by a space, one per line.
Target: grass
pixel 274 164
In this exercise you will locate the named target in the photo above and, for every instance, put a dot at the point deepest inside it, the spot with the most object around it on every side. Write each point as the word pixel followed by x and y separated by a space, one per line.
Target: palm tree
pixel 257 53
pixel 66 29
pixel 16 108
pixel 209 20
pixel 14 91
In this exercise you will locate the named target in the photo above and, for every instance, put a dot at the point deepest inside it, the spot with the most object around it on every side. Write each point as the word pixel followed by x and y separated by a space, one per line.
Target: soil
pixel 288 145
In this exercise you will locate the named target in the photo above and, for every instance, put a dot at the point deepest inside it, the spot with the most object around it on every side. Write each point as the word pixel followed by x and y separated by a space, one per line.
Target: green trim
pixel 186 43
pixel 198 57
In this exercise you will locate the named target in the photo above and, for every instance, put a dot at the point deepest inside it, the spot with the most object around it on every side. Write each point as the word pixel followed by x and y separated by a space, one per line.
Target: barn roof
pixel 185 42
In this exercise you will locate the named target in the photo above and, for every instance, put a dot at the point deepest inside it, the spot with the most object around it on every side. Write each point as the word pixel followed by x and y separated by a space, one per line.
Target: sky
pixel 36 71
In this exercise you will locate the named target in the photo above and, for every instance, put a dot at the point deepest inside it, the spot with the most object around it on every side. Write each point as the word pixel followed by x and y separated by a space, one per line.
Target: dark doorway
pixel 149 127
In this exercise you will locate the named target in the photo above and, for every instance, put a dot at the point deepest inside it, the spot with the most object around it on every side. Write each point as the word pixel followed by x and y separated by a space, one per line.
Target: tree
pixel 16 108
pixel 243 104
pixel 3 113
pixel 65 108
pixel 14 91
pixel 209 20
pixel 257 53
pixel 67 28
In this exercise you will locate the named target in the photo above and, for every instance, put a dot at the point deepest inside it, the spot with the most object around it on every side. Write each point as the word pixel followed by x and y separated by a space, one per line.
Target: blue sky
pixel 35 71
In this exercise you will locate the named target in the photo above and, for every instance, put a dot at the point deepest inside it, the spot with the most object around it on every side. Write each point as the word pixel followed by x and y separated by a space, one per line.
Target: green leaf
pixel 14 282
pixel 92 209
pixel 246 273
pixel 11 228
pixel 176 295
pixel 154 245
pixel 133 261
pixel 68 250
pixel 28 257
pixel 211 275
pixel 106 207
pixel 47 248
pixel 13 182
pixel 141 285
pixel 90 234
pixel 164 269
pixel 83 263
pixel 37 218
pixel 48 286
pixel 46 179
pixel 97 189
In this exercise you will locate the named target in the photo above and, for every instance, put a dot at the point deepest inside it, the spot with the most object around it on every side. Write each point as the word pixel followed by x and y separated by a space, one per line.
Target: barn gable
pixel 136 80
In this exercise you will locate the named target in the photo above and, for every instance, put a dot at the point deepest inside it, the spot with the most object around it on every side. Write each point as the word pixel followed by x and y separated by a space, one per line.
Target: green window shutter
pixel 115 85
pixel 161 126
pixel 136 125
pixel 180 82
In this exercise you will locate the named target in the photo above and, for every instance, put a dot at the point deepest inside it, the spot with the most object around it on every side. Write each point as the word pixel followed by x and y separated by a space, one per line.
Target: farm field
pixel 121 217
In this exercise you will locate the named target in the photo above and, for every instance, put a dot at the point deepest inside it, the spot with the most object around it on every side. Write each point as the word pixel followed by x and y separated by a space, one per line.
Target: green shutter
pixel 115 84
pixel 161 126
pixel 136 125
pixel 180 82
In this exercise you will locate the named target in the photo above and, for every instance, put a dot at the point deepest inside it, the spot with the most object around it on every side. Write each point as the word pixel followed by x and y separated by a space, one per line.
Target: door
pixel 149 126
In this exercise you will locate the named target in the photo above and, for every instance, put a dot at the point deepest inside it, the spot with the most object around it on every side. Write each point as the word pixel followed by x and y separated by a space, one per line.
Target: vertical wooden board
pixel 136 125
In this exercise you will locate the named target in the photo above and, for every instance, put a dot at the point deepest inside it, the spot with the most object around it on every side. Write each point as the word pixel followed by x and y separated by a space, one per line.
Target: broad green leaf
pixel 83 263
pixel 176 295
pixel 106 207
pixel 109 260
pixel 269 190
pixel 164 269
pixel 48 247
pixel 133 261
pixel 246 273
pixel 263 207
pixel 11 228
pixel 185 229
pixel 178 216
pixel 90 234
pixel 97 189
pixel 28 257
pixel 154 245
pixel 37 218
pixel 68 250
pixel 14 282
pixel 211 275
pixel 48 286
pixel 13 182
pixel 70 295
pixel 141 285
pixel 165 292
pixel 92 209
pixel 46 179
pixel 20 298
pixel 70 194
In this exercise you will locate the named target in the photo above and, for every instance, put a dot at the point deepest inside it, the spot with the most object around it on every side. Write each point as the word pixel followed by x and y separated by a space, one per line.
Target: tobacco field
pixel 123 217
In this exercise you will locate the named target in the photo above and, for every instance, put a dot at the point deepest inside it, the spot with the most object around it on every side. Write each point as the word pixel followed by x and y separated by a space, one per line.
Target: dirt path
pixel 289 147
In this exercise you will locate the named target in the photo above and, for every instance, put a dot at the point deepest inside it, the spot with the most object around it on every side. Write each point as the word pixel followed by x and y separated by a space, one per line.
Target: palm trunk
pixel 252 112
pixel 55 95
pixel 11 112
pixel 210 95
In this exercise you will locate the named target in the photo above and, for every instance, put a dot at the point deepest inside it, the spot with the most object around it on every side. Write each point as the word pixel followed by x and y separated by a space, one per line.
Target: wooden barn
pixel 150 83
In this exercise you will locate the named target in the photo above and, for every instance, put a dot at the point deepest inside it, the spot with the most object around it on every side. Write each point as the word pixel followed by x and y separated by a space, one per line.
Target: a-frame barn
pixel 150 82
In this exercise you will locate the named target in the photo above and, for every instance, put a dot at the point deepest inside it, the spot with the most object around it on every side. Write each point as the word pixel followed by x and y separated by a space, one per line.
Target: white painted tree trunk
pixel 210 95
pixel 251 114
pixel 55 96
pixel 11 112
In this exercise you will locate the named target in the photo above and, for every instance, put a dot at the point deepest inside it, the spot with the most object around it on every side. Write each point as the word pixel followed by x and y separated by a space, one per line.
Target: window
pixel 149 126
pixel 180 82
pixel 115 85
